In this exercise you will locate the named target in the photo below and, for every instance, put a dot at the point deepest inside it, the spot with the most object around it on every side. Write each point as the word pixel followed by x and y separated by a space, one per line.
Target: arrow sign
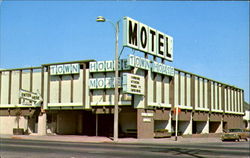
pixel 35 98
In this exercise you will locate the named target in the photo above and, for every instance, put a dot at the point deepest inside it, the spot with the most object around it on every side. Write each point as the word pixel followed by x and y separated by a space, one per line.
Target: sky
pixel 211 39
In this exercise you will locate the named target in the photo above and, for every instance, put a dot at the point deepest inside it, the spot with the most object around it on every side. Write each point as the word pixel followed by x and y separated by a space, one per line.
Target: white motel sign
pixel 141 37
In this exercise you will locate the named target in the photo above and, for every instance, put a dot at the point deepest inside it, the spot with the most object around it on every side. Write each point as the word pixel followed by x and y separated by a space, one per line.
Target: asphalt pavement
pixel 99 139
pixel 26 148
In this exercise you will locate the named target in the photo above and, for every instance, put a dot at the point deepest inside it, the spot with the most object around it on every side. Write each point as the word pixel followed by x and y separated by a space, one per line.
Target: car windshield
pixel 235 130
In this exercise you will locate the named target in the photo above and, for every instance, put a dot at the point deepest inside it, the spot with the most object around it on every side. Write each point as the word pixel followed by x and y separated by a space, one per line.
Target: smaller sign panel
pixel 64 69
pixel 147 114
pixel 147 119
pixel 133 84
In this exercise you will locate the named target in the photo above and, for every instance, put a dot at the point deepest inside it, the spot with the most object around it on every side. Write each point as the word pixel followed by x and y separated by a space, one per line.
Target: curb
pixel 121 141
pixel 14 137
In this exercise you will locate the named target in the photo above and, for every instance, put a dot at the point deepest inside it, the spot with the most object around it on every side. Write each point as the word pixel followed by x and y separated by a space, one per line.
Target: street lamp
pixel 116 26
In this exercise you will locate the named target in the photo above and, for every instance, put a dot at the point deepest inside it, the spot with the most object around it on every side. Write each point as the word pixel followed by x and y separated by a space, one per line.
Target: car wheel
pixel 246 139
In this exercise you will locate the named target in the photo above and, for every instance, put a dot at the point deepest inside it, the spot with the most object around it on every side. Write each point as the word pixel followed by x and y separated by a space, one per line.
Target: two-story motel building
pixel 71 106
pixel 78 98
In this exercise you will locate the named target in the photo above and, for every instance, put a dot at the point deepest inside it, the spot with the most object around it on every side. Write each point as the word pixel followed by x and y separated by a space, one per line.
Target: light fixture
pixel 100 19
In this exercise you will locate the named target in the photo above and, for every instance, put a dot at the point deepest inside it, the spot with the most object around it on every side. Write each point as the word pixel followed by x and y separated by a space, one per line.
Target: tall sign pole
pixel 116 26
pixel 116 85
pixel 176 122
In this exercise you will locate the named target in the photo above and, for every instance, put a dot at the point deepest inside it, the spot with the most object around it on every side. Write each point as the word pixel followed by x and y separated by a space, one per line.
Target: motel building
pixel 77 97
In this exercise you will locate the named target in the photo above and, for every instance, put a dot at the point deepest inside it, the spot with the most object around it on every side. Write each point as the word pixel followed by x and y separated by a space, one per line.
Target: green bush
pixel 161 130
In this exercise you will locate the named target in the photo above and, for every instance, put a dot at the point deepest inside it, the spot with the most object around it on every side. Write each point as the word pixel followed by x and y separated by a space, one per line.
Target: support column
pixel 169 125
pixel 145 125
pixel 26 123
pixel 96 125
pixel 185 127
pixel 220 128
pixel 206 128
pixel 42 124
pixel 190 125
pixel 79 126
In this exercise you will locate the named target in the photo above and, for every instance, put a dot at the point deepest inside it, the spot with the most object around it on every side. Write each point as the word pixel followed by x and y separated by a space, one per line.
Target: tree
pixel 18 113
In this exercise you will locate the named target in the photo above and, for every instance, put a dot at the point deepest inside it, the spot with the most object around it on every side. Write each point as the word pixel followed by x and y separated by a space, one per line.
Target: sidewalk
pixel 99 139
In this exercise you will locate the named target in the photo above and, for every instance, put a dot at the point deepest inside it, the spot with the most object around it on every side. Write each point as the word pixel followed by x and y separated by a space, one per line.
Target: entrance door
pixel 225 126
pixel 105 125
pixel 194 128
pixel 89 123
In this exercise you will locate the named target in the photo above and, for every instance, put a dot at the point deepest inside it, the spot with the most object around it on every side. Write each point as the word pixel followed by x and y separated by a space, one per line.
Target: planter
pixel 162 133
pixel 131 133
pixel 18 131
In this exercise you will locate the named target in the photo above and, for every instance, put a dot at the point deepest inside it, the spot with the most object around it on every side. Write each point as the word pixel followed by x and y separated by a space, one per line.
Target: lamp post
pixel 116 26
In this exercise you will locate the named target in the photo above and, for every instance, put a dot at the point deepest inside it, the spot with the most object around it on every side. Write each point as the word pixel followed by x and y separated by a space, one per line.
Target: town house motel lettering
pixel 64 69
pixel 125 64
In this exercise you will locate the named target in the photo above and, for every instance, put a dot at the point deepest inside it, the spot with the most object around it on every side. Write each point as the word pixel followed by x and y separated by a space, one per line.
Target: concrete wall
pixel 67 123
pixel 161 124
pixel 4 87
pixel 234 121
pixel 13 81
pixel 7 123
pixel 42 124
pixel 127 120
pixel 246 119
pixel 215 127
pixel 61 88
pixel 202 127
pixel 162 119
pixel 145 124
pixel 185 127
pixel 158 90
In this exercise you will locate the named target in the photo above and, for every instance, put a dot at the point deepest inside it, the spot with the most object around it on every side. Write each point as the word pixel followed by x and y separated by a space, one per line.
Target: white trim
pixel 120 103
pixel 17 106
pixel 185 107
pixel 160 105
pixel 65 108
pixel 233 112
pixel 216 110
pixel 65 104
pixel 202 109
